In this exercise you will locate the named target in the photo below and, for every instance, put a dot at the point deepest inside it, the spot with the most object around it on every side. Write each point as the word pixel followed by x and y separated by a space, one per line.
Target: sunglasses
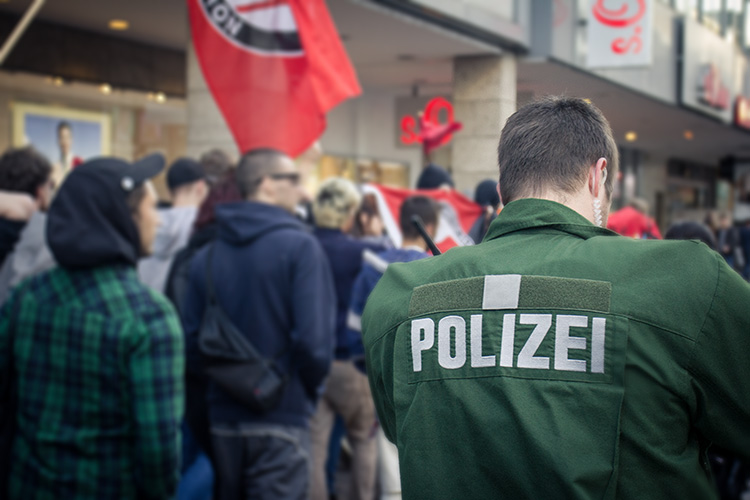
pixel 292 177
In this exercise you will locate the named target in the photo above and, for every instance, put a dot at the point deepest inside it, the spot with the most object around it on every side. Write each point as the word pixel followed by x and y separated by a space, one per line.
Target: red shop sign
pixel 623 17
pixel 409 125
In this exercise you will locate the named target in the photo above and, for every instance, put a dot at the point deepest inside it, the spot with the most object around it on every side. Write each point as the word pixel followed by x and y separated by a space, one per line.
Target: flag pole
pixel 417 221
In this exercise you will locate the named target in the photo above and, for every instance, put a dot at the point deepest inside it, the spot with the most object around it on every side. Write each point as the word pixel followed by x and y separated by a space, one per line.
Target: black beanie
pixel 433 176
pixel 486 193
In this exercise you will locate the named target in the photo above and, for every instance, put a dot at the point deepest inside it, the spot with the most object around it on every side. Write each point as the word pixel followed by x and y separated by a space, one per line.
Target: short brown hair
pixel 426 208
pixel 253 167
pixel 550 144
pixel 24 170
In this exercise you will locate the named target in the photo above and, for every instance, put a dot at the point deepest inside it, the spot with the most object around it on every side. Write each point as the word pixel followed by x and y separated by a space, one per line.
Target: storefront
pixel 681 101
pixel 667 82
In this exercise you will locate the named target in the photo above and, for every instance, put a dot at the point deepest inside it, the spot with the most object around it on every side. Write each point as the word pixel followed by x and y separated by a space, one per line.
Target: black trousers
pixel 261 462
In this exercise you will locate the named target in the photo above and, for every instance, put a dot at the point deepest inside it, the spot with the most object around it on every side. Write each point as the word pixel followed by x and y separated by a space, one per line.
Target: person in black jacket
pixel 197 472
pixel 274 284
pixel 486 195
pixel 22 170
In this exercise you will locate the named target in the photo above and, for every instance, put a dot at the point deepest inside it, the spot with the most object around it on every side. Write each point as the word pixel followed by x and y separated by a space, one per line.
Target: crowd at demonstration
pixel 121 313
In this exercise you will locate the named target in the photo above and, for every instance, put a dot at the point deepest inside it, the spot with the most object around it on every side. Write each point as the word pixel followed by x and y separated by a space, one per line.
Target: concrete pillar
pixel 206 126
pixel 484 96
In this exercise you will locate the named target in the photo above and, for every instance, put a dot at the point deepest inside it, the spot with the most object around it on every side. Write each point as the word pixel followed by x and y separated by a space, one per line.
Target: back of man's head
pixel 24 170
pixel 184 173
pixel 254 166
pixel 426 208
pixel 216 164
pixel 550 145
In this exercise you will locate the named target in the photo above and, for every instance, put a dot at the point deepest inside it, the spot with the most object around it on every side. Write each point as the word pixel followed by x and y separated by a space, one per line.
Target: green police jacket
pixel 558 360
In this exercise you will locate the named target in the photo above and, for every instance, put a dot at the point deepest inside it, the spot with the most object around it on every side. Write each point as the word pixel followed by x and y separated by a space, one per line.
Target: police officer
pixel 558 359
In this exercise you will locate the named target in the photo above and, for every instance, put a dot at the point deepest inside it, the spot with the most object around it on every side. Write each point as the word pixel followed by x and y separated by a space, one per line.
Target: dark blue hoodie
pixel 273 281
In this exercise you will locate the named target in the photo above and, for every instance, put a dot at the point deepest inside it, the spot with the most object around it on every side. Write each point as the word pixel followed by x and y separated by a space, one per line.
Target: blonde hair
pixel 336 201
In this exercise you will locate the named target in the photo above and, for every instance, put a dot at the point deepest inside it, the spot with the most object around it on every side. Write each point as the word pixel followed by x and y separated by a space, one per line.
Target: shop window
pixel 359 170
pixel 734 22
pixel 690 186
pixel 687 7
pixel 711 15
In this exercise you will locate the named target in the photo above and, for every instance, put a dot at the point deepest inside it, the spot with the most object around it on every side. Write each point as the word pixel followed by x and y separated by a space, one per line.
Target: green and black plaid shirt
pixel 98 362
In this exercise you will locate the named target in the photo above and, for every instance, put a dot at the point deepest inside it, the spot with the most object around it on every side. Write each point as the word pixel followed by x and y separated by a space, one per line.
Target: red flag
pixel 274 68
pixel 457 213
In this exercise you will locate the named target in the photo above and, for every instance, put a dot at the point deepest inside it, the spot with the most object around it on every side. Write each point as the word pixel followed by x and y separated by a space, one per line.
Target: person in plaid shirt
pixel 96 357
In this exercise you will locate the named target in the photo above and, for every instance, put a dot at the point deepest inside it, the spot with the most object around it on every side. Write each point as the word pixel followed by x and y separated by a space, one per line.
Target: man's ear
pixel 597 177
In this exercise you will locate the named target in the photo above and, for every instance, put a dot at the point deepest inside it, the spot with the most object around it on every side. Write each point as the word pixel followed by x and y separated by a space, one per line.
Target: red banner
pixel 274 68
pixel 457 213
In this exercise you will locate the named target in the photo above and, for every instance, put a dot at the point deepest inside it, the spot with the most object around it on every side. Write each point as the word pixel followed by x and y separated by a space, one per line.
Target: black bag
pixel 232 362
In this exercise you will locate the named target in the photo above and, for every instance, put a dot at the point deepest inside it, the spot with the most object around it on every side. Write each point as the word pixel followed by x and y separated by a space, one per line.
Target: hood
pixel 242 222
pixel 175 226
pixel 89 226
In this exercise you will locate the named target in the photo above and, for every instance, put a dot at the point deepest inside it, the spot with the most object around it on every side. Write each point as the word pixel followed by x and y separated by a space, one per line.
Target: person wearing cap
pixel 434 177
pixel 95 358
pixel 188 186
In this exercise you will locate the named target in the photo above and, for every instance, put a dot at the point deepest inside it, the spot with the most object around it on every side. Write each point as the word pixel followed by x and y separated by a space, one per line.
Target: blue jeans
pixel 261 461
pixel 197 480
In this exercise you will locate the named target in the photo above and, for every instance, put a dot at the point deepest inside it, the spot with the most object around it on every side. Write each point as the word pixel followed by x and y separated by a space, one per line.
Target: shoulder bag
pixel 232 362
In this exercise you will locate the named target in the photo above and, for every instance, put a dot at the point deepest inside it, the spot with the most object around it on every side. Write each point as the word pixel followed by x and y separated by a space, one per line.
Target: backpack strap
pixel 212 300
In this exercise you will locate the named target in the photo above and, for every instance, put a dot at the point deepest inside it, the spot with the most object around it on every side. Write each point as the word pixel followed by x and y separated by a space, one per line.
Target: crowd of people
pixel 105 291
pixel 115 306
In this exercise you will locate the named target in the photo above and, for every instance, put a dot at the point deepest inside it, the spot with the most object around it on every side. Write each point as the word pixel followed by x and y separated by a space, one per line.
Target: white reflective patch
pixel 507 349
pixel 419 344
pixel 526 358
pixel 458 325
pixel 375 261
pixel 597 344
pixel 354 321
pixel 477 360
pixel 271 18
pixel 501 291
pixel 564 342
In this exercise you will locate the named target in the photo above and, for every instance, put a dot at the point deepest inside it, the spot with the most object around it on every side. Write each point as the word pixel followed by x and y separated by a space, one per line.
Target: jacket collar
pixel 528 213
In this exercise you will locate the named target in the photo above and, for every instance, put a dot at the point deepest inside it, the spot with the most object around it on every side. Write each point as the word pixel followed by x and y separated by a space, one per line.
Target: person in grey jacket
pixel 187 183
pixel 25 176
pixel 30 256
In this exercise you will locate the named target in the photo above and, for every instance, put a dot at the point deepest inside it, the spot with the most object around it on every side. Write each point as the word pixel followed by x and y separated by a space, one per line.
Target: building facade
pixel 671 76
